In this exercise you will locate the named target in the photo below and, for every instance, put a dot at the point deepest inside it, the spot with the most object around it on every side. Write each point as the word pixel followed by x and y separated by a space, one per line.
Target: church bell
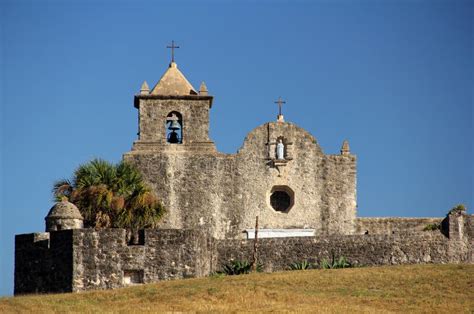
pixel 173 136
pixel 174 126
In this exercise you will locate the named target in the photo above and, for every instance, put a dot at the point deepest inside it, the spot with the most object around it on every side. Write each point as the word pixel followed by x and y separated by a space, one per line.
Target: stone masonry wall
pixel 223 193
pixel 102 258
pixel 86 259
pixel 470 232
pixel 390 225
pixel 453 244
pixel 194 111
pixel 43 262
pixel 278 254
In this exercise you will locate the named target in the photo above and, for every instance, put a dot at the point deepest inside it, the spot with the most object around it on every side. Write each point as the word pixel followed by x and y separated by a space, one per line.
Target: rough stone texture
pixel 223 193
pixel 153 111
pixel 390 225
pixel 279 253
pixel 102 257
pixel 458 226
pixel 63 215
pixel 43 262
pixel 85 259
pixel 64 209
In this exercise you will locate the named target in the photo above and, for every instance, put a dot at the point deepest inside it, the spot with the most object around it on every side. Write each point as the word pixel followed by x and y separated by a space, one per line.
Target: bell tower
pixel 173 116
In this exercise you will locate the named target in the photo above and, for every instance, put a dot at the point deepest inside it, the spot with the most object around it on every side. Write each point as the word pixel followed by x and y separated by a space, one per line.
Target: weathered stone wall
pixel 102 258
pixel 86 259
pixel 223 193
pixel 391 225
pixel 470 232
pixel 368 250
pixel 153 111
pixel 452 244
pixel 43 262
pixel 54 224
pixel 458 227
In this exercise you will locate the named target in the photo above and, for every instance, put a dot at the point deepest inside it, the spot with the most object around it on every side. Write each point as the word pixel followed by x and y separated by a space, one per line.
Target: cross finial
pixel 280 102
pixel 173 47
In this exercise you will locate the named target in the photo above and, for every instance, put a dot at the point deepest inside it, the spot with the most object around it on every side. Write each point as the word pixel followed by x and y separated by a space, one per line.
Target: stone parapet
pixel 391 225
pixel 88 259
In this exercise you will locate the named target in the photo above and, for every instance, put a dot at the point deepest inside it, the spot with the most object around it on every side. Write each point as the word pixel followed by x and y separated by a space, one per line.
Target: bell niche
pixel 174 128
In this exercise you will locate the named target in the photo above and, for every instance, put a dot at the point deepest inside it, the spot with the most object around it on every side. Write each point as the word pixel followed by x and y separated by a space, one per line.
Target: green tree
pixel 111 195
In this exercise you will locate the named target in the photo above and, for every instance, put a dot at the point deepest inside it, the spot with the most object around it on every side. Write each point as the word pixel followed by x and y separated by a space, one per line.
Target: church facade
pixel 305 202
pixel 279 174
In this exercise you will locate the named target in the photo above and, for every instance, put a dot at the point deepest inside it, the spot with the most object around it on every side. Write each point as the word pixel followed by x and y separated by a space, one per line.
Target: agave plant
pixel 238 267
pixel 341 262
pixel 111 195
pixel 301 265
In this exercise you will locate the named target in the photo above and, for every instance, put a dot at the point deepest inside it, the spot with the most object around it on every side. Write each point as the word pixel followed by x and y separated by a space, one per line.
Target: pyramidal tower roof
pixel 173 83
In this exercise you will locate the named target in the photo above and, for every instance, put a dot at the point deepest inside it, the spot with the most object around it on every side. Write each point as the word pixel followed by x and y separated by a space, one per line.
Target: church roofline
pixel 185 97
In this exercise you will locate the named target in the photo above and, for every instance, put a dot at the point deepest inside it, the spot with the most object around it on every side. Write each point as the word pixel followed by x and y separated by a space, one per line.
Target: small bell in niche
pixel 174 134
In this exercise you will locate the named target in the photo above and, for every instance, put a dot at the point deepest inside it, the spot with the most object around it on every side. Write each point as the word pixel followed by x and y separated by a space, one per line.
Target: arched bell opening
pixel 174 128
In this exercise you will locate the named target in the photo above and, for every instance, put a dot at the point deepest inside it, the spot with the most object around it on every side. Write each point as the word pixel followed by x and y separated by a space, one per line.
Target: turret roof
pixel 173 83
pixel 64 209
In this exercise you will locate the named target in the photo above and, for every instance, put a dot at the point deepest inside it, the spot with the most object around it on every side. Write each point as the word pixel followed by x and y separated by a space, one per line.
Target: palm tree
pixel 111 195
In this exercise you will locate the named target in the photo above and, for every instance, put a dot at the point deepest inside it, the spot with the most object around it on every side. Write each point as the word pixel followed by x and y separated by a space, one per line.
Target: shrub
pixel 457 209
pixel 432 227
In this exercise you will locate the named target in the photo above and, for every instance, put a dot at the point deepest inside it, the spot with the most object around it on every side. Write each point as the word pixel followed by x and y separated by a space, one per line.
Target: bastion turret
pixel 62 216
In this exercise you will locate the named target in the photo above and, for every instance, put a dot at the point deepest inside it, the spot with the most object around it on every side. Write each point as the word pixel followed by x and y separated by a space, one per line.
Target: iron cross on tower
pixel 280 102
pixel 173 47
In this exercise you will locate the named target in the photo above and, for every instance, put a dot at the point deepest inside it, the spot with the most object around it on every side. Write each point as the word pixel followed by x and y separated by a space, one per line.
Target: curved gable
pixel 260 141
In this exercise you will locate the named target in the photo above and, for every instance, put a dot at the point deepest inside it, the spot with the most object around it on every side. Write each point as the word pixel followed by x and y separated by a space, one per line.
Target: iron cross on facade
pixel 280 102
pixel 173 47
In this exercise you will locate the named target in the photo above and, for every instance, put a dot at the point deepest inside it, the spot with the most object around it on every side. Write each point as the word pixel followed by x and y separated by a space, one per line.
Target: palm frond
pixel 112 195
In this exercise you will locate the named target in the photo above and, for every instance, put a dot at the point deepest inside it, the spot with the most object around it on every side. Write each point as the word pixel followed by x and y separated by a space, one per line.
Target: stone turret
pixel 63 215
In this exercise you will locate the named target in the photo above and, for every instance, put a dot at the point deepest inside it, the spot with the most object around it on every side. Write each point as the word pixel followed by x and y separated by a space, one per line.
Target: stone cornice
pixel 185 97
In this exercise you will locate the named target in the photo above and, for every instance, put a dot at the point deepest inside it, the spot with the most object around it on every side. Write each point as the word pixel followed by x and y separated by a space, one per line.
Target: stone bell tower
pixel 173 116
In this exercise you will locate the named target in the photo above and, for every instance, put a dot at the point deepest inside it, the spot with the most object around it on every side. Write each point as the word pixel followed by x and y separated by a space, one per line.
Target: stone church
pixel 279 174
pixel 305 201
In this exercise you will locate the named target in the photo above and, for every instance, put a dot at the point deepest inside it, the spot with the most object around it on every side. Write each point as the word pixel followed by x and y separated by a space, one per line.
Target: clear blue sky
pixel 395 78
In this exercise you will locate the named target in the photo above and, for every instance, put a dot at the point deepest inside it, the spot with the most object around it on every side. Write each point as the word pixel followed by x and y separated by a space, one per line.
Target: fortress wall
pixel 88 259
pixel 452 244
pixel 103 260
pixel 43 262
pixel 389 225
pixel 278 254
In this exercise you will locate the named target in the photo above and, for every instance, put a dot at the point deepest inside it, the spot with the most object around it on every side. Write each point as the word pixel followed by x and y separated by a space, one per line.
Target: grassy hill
pixel 415 288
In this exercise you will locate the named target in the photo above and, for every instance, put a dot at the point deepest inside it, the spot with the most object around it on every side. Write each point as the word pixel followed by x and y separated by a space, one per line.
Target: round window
pixel 281 198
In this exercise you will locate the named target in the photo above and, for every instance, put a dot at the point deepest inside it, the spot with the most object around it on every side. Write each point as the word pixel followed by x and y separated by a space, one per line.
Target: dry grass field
pixel 416 288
